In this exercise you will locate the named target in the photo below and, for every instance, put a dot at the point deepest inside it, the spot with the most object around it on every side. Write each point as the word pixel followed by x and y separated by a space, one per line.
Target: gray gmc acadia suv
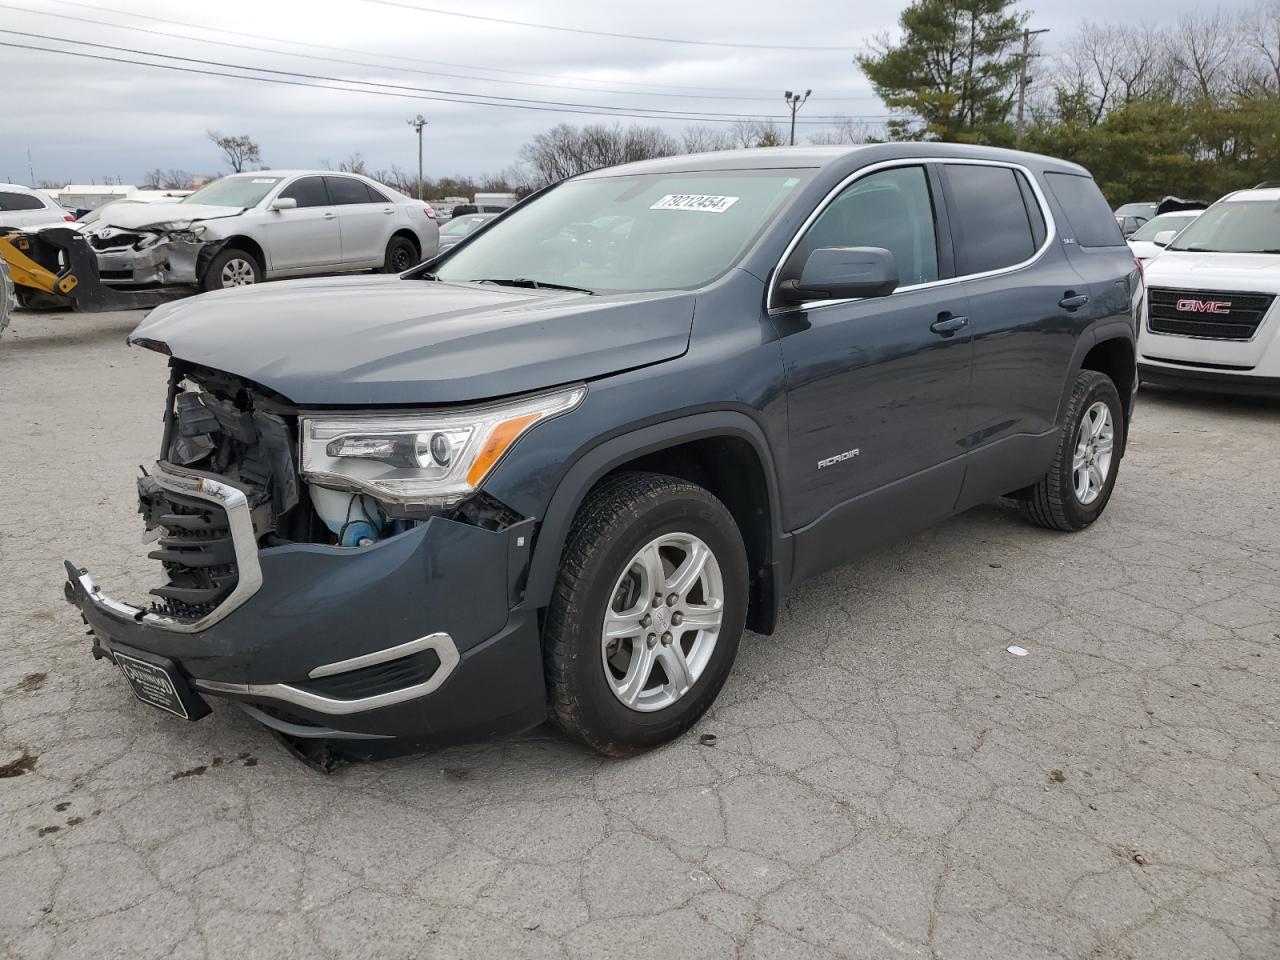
pixel 559 469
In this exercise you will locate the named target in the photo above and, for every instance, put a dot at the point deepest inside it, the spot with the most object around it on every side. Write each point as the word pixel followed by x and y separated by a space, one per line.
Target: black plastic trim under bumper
pixel 1210 381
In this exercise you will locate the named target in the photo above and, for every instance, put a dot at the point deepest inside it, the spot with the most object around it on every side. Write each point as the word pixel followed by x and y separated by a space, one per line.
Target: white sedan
pixel 1143 242
pixel 250 227
pixel 22 207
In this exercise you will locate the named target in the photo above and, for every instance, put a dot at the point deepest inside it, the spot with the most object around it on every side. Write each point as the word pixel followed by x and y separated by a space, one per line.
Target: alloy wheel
pixel 1091 463
pixel 663 620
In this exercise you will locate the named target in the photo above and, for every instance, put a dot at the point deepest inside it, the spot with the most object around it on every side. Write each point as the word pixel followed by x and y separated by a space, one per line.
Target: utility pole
pixel 1024 78
pixel 418 123
pixel 794 102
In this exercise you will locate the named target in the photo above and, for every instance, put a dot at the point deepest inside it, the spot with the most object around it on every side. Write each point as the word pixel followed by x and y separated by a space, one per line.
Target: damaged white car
pixel 251 227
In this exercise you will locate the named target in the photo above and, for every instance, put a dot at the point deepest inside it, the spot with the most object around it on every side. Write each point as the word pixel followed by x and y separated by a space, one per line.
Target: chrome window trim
pixel 1051 228
pixel 442 643
pixel 244 542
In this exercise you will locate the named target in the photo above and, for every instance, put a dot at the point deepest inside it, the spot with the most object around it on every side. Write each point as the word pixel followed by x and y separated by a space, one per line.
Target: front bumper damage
pixel 418 639
pixel 149 258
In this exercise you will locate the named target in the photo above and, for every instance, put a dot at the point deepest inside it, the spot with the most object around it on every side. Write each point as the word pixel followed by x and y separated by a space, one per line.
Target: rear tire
pixel 1078 485
pixel 665 659
pixel 401 255
pixel 232 268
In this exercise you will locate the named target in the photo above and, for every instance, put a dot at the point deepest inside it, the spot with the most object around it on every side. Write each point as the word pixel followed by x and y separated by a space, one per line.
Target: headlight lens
pixel 432 459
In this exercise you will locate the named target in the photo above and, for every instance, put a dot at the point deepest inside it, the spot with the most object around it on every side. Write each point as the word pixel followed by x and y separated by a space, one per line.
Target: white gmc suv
pixel 1210 318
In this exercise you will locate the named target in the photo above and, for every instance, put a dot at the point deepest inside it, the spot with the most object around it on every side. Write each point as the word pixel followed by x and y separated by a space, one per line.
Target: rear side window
pixel 376 196
pixel 994 225
pixel 309 192
pixel 1091 220
pixel 344 191
pixel 19 201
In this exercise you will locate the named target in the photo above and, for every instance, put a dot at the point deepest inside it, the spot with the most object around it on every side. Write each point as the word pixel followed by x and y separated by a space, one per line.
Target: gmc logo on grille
pixel 1204 306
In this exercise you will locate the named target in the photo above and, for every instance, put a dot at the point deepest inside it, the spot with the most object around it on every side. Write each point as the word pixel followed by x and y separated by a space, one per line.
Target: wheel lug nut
pixel 651 640
pixel 657 599
pixel 671 599
pixel 666 639
pixel 677 618
pixel 646 620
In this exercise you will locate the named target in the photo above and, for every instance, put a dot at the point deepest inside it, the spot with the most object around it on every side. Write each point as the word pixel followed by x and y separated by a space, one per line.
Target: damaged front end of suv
pixel 302 555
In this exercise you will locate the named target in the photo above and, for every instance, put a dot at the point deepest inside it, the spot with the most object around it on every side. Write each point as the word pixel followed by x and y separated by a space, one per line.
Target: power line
pixel 382 56
pixel 653 112
pixel 379 66
pixel 585 109
pixel 603 33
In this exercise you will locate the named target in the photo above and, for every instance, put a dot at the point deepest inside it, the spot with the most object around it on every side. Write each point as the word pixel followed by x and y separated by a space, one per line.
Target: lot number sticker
pixel 701 202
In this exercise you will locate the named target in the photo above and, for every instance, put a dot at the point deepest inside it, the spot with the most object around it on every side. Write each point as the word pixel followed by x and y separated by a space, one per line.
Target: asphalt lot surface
pixel 887 780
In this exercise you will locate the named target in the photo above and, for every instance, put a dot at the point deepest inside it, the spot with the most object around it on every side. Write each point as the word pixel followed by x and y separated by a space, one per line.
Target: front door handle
pixel 948 323
pixel 1073 300
pixel 330 215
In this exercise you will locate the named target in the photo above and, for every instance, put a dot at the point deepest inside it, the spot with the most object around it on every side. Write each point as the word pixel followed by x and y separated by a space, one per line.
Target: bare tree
pixel 239 151
pixel 1257 74
pixel 353 164
pixel 846 131
pixel 1201 47
pixel 566 150
pixel 706 138
pixel 757 133
pixel 1105 66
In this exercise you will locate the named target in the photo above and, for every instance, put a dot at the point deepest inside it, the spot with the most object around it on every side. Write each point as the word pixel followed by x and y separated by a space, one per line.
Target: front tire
pixel 647 614
pixel 1078 485
pixel 232 268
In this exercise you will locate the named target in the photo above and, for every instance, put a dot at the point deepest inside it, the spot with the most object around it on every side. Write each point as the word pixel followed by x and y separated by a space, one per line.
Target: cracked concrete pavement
pixel 888 782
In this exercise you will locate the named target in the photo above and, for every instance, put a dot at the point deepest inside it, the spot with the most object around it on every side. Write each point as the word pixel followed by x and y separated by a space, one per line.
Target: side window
pixel 991 217
pixel 19 201
pixel 376 196
pixel 345 190
pixel 1091 220
pixel 308 191
pixel 891 209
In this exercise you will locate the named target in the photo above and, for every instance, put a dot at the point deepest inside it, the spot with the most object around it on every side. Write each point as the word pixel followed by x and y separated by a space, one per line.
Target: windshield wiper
pixel 533 284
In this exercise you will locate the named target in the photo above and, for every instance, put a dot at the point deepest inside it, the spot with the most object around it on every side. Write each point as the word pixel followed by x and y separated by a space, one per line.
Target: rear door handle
pixel 387 210
pixel 1073 300
pixel 948 323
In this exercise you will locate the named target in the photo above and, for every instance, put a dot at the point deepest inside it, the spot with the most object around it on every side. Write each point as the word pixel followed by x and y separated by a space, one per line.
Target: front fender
pixel 595 462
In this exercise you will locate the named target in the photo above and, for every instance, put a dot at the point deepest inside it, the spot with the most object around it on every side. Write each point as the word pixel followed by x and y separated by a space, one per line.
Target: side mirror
pixel 1164 237
pixel 284 203
pixel 843 273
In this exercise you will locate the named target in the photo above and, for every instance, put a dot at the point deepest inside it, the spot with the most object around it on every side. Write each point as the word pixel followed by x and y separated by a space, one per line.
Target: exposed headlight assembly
pixel 430 459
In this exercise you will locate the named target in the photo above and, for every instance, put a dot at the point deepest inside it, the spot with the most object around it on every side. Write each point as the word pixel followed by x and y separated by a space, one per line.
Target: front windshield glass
pixel 460 228
pixel 1136 210
pixel 1238 226
pixel 242 191
pixel 645 232
pixel 1166 221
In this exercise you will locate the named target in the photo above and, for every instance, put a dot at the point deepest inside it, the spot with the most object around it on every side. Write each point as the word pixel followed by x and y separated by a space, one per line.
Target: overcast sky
pixel 85 119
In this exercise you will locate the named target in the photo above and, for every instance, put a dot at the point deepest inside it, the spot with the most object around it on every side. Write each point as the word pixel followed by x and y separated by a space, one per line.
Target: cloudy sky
pixel 84 119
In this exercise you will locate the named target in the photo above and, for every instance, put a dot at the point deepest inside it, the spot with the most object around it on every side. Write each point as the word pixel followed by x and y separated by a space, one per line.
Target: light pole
pixel 418 123
pixel 794 101
pixel 1023 79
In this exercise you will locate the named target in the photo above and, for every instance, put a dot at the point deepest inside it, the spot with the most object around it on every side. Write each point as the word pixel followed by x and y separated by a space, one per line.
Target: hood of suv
pixel 1240 272
pixel 384 340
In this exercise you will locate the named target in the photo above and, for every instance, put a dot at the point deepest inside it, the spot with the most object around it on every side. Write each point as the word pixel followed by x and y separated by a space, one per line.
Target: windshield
pixel 1166 221
pixel 1238 226
pixel 460 228
pixel 628 233
pixel 1136 210
pixel 245 191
